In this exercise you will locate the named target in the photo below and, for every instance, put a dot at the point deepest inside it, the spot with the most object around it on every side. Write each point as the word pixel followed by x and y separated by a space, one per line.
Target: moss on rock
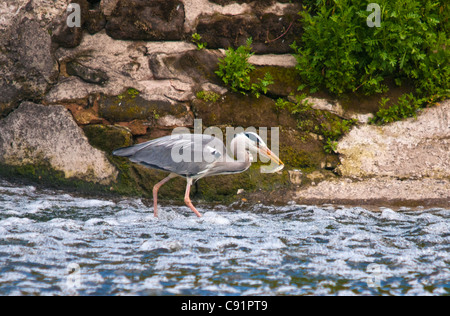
pixel 225 188
pixel 44 174
pixel 286 80
pixel 130 106
pixel 108 138
pixel 235 109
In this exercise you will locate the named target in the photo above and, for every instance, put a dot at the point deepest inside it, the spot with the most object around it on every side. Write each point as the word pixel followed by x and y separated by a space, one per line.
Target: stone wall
pixel 131 73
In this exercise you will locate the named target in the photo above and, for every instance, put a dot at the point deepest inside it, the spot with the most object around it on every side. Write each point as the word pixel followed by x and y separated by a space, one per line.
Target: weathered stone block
pixel 147 20
pixel 270 33
pixel 412 148
pixel 37 135
pixel 27 66
pixel 130 106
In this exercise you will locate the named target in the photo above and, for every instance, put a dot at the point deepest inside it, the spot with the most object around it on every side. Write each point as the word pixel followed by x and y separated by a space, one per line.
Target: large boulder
pixel 412 148
pixel 27 68
pixel 47 136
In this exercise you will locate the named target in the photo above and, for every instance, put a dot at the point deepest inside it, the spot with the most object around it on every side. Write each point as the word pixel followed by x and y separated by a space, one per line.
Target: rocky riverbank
pixel 131 73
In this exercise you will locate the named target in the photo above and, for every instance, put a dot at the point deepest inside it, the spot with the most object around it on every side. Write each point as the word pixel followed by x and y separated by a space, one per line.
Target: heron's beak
pixel 266 152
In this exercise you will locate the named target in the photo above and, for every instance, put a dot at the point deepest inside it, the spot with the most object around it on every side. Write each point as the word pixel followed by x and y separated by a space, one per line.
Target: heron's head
pixel 253 143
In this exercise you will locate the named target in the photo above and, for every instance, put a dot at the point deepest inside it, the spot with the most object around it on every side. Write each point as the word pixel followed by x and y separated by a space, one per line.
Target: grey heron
pixel 195 156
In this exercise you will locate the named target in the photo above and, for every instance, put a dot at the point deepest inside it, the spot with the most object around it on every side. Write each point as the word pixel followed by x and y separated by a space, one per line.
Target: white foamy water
pixel 52 243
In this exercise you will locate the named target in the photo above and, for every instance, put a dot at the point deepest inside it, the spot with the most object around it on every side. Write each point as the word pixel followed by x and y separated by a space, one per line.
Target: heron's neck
pixel 244 157
pixel 232 165
pixel 238 150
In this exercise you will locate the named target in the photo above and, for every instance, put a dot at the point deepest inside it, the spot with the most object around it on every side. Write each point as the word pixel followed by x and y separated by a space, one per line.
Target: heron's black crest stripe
pixel 253 137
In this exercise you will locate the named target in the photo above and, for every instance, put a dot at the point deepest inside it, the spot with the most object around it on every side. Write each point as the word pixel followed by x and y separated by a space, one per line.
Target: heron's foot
pixel 192 207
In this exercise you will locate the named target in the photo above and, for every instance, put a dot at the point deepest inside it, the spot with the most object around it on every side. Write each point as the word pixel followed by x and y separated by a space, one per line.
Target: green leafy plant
pixel 331 127
pixel 197 39
pixel 336 129
pixel 339 52
pixel 235 69
pixel 333 130
pixel 262 85
pixel 331 146
pixel 407 106
pixel 301 106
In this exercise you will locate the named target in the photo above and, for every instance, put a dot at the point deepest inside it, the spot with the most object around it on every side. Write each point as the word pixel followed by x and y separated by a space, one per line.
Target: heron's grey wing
pixel 189 155
pixel 131 150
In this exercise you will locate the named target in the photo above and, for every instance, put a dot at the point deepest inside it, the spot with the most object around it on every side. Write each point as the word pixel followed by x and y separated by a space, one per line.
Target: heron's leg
pixel 187 198
pixel 156 189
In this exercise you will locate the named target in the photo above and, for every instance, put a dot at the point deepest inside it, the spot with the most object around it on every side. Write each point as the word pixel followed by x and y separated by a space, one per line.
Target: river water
pixel 53 243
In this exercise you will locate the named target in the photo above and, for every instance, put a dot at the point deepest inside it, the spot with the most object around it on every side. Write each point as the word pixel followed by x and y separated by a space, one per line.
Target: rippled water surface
pixel 52 243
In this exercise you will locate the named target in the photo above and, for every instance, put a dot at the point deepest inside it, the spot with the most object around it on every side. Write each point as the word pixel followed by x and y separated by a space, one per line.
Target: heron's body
pixel 158 154
pixel 201 156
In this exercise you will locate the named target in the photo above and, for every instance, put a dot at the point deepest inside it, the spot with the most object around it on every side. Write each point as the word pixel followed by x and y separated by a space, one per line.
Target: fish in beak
pixel 266 152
